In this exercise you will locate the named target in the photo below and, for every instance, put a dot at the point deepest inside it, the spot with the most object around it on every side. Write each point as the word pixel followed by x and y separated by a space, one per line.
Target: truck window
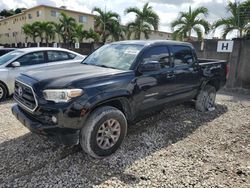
pixel 182 55
pixel 160 54
pixel 117 56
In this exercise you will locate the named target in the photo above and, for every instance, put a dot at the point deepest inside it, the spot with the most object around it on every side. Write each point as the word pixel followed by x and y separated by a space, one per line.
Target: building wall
pixel 11 27
pixel 158 35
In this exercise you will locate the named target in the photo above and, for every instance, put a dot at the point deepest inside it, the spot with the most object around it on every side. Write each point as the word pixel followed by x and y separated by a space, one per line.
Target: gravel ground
pixel 178 147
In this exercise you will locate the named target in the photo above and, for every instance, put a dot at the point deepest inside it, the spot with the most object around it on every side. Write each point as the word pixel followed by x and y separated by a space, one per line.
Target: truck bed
pixel 216 68
pixel 203 61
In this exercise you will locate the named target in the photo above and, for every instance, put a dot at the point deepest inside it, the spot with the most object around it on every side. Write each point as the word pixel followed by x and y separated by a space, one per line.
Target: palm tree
pixel 104 21
pixel 146 20
pixel 67 27
pixel 49 31
pixel 29 31
pixel 117 31
pixel 136 29
pixel 38 28
pixel 80 34
pixel 239 19
pixel 189 22
pixel 58 30
pixel 91 34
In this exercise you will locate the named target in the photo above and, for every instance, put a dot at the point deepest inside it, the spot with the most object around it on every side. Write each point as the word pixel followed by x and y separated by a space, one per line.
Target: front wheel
pixel 103 132
pixel 3 92
pixel 206 99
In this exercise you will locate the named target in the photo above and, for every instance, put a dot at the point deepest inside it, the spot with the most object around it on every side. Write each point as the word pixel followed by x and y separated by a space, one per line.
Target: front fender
pixel 122 96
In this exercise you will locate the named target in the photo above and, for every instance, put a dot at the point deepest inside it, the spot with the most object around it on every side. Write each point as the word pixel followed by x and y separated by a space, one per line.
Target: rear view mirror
pixel 15 64
pixel 150 66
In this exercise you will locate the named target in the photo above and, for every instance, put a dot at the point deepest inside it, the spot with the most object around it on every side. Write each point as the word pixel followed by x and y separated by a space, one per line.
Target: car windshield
pixel 117 56
pixel 6 57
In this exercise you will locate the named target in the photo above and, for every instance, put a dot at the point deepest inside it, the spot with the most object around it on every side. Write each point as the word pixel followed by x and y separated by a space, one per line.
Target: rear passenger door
pixel 186 71
pixel 59 57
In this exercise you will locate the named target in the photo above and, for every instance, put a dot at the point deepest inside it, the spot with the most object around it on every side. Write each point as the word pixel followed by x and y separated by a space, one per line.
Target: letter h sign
pixel 225 46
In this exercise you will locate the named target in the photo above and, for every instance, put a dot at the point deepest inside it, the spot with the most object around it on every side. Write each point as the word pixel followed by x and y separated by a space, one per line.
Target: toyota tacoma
pixel 93 102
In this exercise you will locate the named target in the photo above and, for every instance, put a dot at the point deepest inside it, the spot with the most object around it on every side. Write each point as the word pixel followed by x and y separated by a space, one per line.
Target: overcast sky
pixel 167 9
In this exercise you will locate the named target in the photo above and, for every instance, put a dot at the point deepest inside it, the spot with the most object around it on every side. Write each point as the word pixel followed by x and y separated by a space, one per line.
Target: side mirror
pixel 15 64
pixel 150 66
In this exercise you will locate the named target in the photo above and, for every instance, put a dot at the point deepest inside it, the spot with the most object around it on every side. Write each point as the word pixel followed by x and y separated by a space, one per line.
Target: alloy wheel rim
pixel 108 134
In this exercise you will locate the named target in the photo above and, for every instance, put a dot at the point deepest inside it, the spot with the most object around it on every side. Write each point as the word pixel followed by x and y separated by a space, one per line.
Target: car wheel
pixel 206 99
pixel 103 132
pixel 3 92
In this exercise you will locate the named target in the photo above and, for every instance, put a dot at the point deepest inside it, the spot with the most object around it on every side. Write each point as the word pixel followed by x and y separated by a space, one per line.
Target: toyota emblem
pixel 20 91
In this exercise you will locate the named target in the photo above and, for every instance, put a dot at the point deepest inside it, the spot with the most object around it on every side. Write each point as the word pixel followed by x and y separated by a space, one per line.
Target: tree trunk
pixel 104 37
pixel 41 39
pixel 47 41
pixel 241 33
pixel 189 34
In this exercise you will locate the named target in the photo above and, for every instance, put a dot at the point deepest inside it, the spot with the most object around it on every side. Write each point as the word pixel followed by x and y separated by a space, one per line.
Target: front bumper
pixel 65 136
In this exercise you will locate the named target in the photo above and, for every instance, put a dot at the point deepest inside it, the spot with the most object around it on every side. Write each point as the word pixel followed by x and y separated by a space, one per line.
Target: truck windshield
pixel 6 57
pixel 117 56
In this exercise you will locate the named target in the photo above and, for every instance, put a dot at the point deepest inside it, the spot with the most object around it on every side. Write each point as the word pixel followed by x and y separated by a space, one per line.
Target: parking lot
pixel 177 147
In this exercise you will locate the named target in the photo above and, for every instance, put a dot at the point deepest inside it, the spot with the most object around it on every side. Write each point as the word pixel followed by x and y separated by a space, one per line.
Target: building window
pixel 7 34
pixel 29 16
pixel 38 13
pixel 54 13
pixel 83 19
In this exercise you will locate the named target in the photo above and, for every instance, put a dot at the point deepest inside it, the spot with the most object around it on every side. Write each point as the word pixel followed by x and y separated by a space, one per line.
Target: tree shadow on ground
pixel 31 156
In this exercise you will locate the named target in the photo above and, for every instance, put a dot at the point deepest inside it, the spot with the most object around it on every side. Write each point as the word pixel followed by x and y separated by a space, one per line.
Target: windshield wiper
pixel 105 66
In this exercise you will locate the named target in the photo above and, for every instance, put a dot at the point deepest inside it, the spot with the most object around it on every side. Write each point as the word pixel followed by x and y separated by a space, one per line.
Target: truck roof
pixel 150 42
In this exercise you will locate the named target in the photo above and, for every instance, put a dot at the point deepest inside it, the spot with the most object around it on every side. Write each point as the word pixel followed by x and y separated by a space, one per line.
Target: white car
pixel 16 62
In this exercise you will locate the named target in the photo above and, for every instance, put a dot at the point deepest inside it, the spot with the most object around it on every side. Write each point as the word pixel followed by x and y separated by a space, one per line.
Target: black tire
pixel 90 131
pixel 206 99
pixel 3 92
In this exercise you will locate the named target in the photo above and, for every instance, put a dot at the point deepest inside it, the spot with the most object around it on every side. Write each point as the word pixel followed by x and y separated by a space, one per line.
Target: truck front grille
pixel 25 96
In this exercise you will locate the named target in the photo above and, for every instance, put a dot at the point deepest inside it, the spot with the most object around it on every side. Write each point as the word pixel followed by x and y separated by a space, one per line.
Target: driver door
pixel 155 87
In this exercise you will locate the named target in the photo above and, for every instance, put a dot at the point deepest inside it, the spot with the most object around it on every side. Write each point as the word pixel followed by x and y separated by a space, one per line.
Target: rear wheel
pixel 206 99
pixel 3 92
pixel 103 132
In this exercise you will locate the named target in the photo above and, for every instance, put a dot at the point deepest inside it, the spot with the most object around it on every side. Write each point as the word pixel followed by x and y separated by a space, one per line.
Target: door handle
pixel 171 75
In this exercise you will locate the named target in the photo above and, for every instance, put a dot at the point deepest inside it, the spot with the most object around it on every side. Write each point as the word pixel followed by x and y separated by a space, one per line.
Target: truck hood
pixel 61 75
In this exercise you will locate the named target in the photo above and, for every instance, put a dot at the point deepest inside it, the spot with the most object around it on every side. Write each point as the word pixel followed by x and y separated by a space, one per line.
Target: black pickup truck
pixel 93 102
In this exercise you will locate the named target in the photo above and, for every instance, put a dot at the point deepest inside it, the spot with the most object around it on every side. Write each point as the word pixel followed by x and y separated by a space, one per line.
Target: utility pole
pixel 238 17
pixel 104 26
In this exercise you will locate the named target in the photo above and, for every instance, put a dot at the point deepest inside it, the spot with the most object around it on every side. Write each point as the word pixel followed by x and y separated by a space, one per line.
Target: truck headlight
pixel 61 95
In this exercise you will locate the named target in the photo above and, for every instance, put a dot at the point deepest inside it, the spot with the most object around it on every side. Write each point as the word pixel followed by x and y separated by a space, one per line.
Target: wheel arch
pixel 121 103
pixel 215 82
pixel 5 85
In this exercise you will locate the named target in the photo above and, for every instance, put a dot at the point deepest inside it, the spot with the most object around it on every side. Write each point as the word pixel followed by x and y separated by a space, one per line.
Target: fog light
pixel 54 119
